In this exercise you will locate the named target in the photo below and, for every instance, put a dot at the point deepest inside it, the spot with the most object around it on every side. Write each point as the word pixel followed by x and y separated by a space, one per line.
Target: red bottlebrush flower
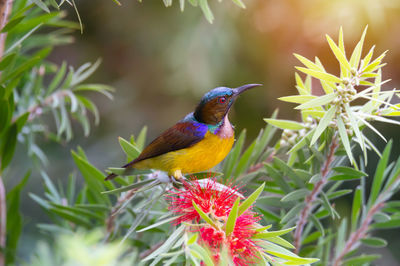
pixel 217 201
pixel 212 197
pixel 242 247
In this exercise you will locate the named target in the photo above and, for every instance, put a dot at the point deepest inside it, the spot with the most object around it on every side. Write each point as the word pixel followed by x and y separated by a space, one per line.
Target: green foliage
pixel 30 88
pixel 203 4
pixel 295 182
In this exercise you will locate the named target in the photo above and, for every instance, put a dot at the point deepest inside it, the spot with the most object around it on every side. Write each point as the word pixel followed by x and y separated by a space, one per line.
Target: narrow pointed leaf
pixel 323 124
pixel 320 75
pixel 285 124
pixel 204 215
pixel 322 100
pixel 250 200
pixel 233 214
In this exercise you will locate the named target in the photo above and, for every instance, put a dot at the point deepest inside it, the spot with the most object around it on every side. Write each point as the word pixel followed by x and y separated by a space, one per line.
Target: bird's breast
pixel 225 130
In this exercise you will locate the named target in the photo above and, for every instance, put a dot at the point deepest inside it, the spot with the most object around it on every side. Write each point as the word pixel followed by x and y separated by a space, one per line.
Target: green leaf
pixel 138 185
pixel 307 63
pixel 317 102
pixel 72 217
pixel 206 10
pixel 344 138
pixel 4 114
pixel 233 214
pixel 323 124
pixel 296 195
pixel 394 223
pixel 360 260
pixel 284 124
pixel 42 5
pixel 93 177
pixel 203 254
pixel 239 3
pixel 6 61
pixel 158 224
pixel 204 215
pixel 167 244
pixel 340 56
pixel 141 139
pixel 265 235
pixel 379 174
pixel 349 171
pixel 245 159
pixel 14 220
pixel 233 156
pixel 293 212
pixel 374 242
pixel 355 57
pixel 293 259
pixel 297 98
pixel 343 177
pixel 130 150
pixel 317 224
pixel 320 75
pixel 12 23
pixel 250 200
pixel 9 141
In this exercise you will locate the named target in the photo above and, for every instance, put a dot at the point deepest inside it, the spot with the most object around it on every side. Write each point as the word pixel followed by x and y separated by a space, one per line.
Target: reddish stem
pixel 5 10
pixel 362 231
pixel 312 197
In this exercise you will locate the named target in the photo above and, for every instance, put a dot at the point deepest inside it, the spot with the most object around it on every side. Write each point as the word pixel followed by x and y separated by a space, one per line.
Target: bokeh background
pixel 161 60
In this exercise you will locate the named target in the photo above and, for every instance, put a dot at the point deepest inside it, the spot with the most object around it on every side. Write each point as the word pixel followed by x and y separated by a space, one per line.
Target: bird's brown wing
pixel 180 136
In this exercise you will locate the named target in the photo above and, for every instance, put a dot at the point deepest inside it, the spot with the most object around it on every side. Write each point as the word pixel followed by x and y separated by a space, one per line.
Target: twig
pixel 5 10
pixel 146 253
pixel 362 231
pixel 3 221
pixel 37 109
pixel 310 199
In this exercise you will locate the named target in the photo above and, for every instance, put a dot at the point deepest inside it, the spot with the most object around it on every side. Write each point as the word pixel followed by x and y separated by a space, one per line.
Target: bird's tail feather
pixel 127 167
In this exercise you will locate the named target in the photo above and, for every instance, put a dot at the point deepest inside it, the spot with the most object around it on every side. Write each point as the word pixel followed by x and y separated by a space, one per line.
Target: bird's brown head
pixel 215 104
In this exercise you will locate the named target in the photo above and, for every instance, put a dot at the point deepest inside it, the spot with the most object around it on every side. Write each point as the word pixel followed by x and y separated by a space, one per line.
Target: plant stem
pixel 37 109
pixel 3 221
pixel 361 232
pixel 5 10
pixel 311 198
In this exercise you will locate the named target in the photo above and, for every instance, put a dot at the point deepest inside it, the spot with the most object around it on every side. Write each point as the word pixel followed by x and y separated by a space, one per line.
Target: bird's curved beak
pixel 244 88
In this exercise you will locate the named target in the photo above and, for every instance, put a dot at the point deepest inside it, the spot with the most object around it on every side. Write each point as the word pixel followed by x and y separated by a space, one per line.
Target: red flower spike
pixel 209 196
pixel 217 201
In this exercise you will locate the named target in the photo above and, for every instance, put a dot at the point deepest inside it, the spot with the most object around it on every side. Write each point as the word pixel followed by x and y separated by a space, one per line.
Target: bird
pixel 196 143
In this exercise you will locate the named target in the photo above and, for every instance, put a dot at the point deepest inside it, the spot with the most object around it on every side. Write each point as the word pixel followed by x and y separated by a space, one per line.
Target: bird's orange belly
pixel 200 157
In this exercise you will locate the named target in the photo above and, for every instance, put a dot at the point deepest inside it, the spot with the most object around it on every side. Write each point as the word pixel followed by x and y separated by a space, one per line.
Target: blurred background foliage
pixel 161 60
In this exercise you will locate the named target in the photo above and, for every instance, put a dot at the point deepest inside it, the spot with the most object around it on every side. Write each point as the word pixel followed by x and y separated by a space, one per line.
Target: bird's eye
pixel 221 99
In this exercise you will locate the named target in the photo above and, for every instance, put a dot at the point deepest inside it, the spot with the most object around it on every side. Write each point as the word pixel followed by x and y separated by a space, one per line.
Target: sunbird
pixel 196 143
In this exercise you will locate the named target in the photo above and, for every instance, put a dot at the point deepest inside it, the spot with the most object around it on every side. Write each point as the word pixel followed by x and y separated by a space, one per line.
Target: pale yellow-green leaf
pixel 327 86
pixel 371 67
pixel 264 235
pixel 297 98
pixel 320 75
pixel 284 124
pixel 308 63
pixel 355 57
pixel 313 113
pixel 319 101
pixel 239 3
pixel 368 57
pixel 323 124
pixel 344 138
pixel 338 54
pixel 341 41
